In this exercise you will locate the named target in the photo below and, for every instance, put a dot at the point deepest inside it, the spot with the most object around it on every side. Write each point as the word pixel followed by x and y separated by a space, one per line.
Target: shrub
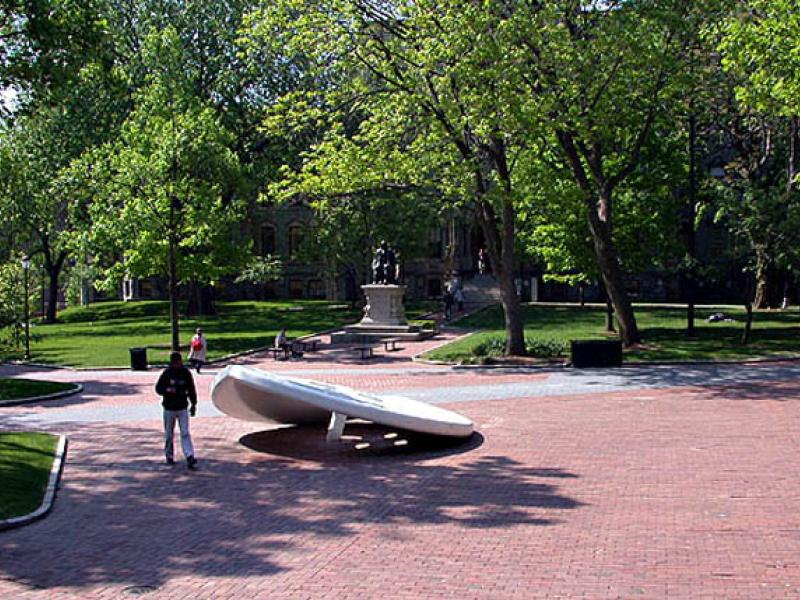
pixel 493 346
pixel 545 348
pixel 428 324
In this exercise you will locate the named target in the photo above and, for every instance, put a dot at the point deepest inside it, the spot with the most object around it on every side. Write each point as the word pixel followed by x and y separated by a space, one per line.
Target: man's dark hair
pixel 175 357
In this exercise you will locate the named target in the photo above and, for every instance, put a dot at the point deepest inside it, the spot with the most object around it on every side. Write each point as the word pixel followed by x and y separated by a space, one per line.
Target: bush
pixel 496 346
pixel 545 348
pixel 493 346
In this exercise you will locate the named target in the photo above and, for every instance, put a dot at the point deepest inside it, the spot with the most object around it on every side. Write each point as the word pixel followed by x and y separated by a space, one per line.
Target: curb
pixel 50 493
pixel 417 358
pixel 633 364
pixel 52 367
pixel 77 389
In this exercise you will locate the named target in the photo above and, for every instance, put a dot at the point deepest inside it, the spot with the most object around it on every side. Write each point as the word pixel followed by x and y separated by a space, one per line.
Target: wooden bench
pixel 309 345
pixel 285 350
pixel 390 345
pixel 366 352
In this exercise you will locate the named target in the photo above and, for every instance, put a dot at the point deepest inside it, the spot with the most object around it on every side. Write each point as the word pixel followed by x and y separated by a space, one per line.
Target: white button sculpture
pixel 254 395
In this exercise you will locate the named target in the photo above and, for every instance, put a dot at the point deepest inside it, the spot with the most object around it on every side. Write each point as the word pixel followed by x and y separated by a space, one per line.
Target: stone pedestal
pixel 384 305
pixel 384 317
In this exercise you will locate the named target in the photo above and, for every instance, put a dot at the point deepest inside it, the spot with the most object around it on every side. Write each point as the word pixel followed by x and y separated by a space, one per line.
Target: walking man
pixel 176 387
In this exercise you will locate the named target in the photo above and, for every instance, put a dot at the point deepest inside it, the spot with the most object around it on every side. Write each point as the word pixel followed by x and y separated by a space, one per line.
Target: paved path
pixel 634 483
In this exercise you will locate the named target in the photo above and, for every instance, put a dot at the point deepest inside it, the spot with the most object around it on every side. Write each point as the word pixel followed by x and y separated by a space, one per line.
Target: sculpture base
pixel 384 305
pixel 384 317
pixel 356 334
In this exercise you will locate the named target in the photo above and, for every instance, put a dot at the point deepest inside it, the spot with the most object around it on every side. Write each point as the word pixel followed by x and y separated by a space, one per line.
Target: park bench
pixel 308 345
pixel 390 345
pixel 293 349
pixel 284 350
pixel 365 351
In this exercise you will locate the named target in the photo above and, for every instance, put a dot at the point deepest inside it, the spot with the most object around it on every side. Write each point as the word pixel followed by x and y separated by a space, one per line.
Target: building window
pixel 295 288
pixel 267 240
pixel 436 243
pixel 316 289
pixel 434 288
pixel 295 239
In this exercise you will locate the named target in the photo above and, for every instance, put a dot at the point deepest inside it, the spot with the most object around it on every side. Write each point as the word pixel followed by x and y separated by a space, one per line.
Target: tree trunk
pixel 689 288
pixel 53 270
pixel 609 316
pixel 201 300
pixel 500 245
pixel 600 220
pixel 761 298
pixel 613 279
pixel 173 294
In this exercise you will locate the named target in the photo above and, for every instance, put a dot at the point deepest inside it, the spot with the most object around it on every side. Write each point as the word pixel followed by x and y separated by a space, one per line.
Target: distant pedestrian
pixel 482 261
pixel 458 296
pixel 281 340
pixel 176 387
pixel 447 299
pixel 197 350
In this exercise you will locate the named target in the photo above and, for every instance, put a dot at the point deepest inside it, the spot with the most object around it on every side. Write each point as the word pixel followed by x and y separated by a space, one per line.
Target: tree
pixel 169 205
pixel 345 231
pixel 759 42
pixel 758 45
pixel 43 43
pixel 599 77
pixel 429 120
pixel 35 151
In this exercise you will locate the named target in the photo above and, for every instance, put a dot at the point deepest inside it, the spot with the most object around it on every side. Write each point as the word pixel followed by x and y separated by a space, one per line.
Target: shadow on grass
pixel 127 519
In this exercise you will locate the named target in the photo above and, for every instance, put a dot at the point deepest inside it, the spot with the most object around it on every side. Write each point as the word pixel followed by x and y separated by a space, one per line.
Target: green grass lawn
pixel 25 463
pixel 15 389
pixel 663 332
pixel 100 335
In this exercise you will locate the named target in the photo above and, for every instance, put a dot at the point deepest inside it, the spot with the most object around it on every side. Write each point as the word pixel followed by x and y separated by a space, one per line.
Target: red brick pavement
pixel 670 493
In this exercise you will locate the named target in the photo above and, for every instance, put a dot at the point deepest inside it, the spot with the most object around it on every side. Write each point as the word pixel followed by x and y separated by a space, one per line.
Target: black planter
pixel 596 353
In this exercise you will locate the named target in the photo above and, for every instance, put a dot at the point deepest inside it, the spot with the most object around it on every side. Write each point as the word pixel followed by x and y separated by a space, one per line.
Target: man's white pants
pixel 182 416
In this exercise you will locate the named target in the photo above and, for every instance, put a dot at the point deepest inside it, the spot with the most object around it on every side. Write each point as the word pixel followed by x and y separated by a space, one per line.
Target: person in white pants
pixel 176 387
pixel 197 350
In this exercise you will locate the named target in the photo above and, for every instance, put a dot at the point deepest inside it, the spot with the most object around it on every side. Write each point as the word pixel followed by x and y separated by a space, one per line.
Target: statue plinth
pixel 384 305
pixel 384 317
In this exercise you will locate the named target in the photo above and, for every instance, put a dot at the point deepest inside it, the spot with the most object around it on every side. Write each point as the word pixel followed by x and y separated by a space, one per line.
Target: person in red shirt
pixel 197 351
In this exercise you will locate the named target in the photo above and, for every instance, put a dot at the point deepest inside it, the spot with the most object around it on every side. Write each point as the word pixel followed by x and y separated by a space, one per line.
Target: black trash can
pixel 138 359
pixel 596 353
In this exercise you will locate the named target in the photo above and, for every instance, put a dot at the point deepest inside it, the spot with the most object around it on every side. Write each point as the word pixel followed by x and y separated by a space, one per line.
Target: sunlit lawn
pixel 25 462
pixel 101 334
pixel 663 331
pixel 27 388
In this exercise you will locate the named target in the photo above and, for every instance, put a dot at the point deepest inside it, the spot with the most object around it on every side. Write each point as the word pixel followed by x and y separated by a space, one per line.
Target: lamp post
pixel 690 236
pixel 26 267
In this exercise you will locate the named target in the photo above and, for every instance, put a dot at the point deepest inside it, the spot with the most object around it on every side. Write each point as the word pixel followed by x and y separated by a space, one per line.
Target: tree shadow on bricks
pixel 736 381
pixel 124 518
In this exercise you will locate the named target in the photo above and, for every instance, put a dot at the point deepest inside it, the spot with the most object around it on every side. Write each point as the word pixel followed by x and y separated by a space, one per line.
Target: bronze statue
pixel 384 265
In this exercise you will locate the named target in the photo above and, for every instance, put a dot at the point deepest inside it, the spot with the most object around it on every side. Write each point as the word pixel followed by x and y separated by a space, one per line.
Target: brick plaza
pixel 643 482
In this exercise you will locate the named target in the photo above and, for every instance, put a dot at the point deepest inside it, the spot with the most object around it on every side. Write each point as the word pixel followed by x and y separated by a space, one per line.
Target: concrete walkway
pixel 634 483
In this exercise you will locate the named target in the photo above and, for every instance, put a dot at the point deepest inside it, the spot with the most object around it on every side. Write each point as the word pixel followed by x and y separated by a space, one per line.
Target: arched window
pixel 295 239
pixel 267 240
